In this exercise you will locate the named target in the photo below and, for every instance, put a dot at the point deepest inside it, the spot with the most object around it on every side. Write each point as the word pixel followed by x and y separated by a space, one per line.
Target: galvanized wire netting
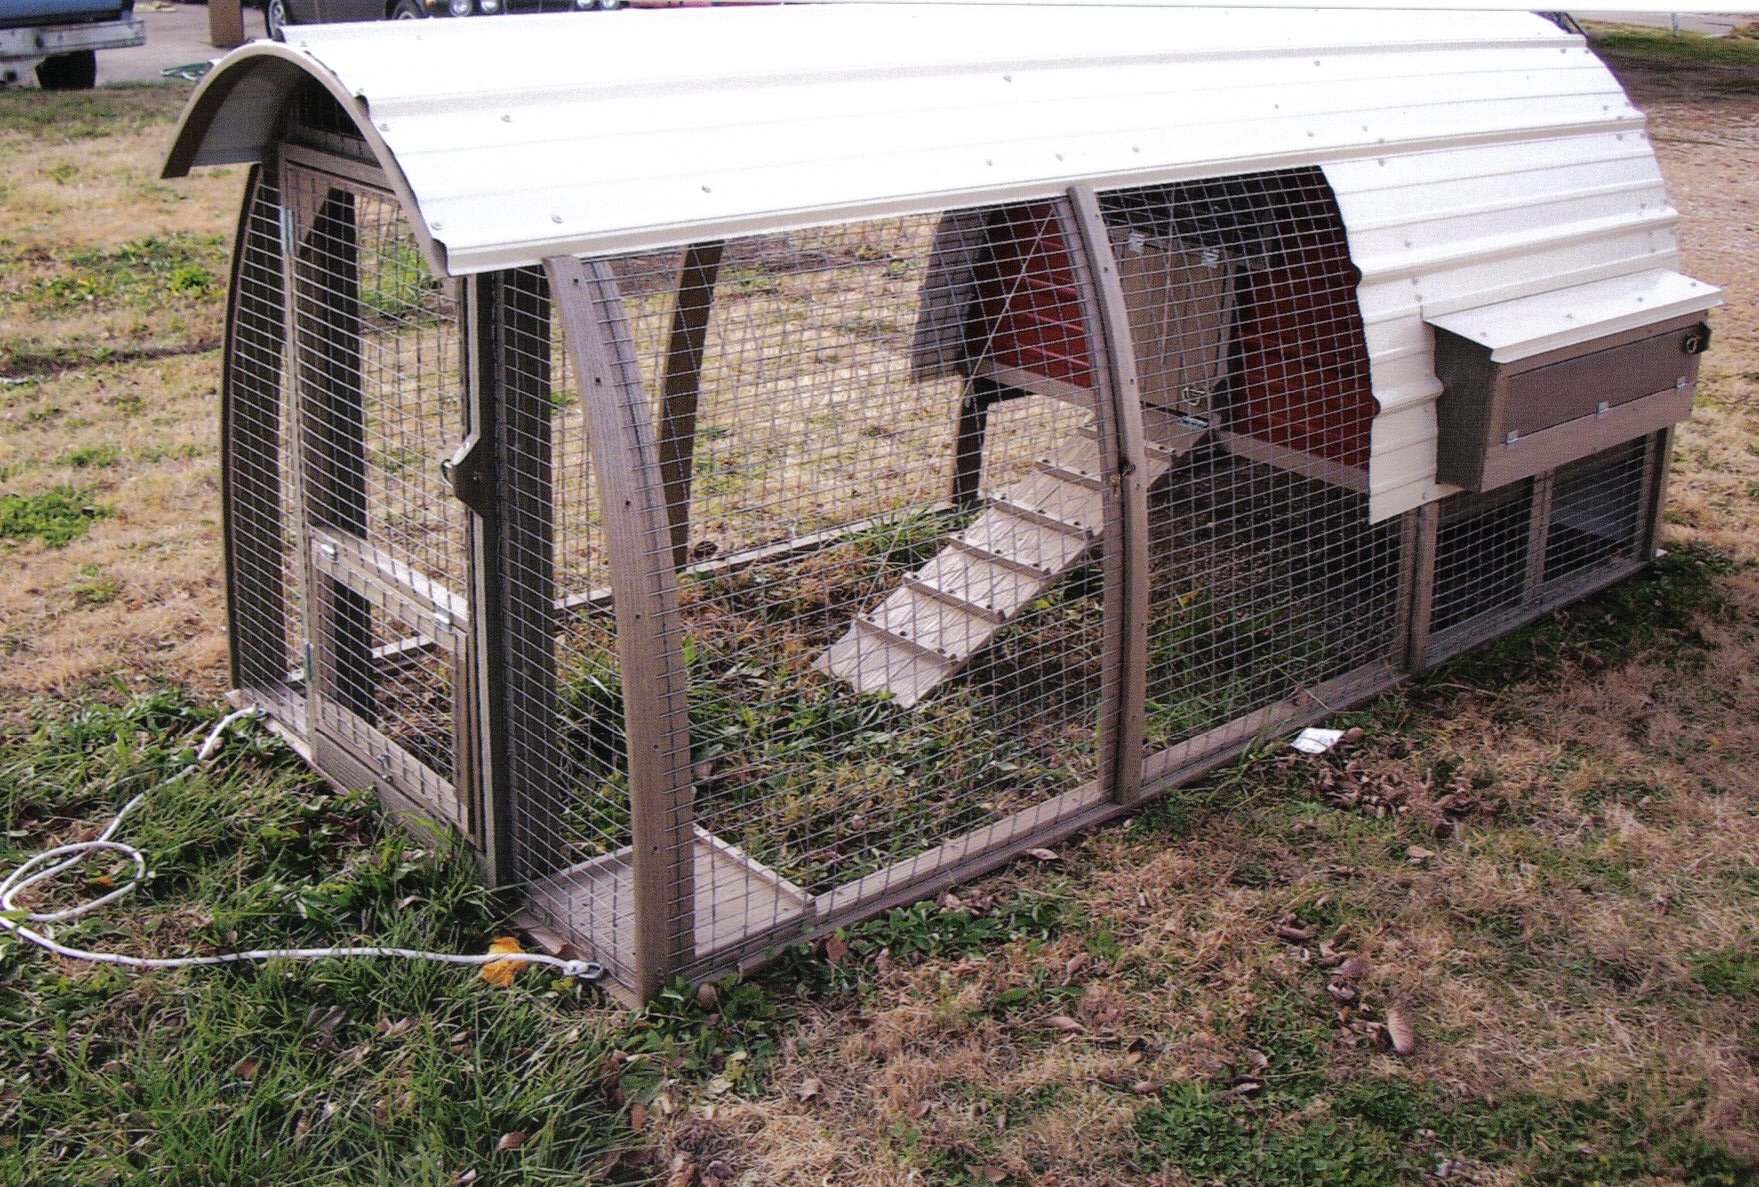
pixel 378 382
pixel 1268 579
pixel 265 564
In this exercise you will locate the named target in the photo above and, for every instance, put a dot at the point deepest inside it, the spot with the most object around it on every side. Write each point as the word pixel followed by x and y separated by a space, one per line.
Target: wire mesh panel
pixel 1597 506
pixel 379 388
pixel 264 562
pixel 1268 584
pixel 1482 551
pixel 881 552
pixel 1505 556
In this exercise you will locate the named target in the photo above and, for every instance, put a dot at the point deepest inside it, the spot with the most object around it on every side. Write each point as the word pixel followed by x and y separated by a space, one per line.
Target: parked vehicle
pixel 61 39
pixel 281 13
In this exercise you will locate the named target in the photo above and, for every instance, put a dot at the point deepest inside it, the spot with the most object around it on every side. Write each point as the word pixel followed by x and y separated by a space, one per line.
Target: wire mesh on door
pixel 378 388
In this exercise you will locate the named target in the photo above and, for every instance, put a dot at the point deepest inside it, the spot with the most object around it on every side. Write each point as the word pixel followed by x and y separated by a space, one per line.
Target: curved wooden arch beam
pixel 644 588
pixel 682 386
pixel 1118 409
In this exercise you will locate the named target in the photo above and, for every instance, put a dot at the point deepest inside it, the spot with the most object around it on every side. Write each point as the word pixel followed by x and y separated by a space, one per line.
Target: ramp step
pixel 870 660
pixel 943 630
pixel 1031 533
pixel 981 580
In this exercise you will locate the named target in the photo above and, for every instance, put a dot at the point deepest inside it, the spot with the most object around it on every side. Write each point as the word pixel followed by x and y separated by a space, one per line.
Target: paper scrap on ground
pixel 1316 741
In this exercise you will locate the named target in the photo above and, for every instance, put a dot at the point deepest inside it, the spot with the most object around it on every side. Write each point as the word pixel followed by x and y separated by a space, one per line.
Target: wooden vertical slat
pixel 644 588
pixel 1538 534
pixel 1118 408
pixel 250 417
pixel 327 329
pixel 1422 586
pixel 520 680
pixel 682 386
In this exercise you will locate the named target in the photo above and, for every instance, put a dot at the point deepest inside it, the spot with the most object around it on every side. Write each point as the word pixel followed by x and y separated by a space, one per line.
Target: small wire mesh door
pixel 378 393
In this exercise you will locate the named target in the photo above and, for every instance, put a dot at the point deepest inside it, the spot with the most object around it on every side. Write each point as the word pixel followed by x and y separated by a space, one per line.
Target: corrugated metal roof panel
pixel 523 137
pixel 1477 157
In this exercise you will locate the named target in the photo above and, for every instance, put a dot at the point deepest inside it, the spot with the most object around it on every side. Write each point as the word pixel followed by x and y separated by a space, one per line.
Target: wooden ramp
pixel 1030 535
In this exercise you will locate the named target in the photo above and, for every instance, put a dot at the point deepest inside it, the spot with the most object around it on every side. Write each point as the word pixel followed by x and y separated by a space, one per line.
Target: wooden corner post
pixel 1118 411
pixel 638 531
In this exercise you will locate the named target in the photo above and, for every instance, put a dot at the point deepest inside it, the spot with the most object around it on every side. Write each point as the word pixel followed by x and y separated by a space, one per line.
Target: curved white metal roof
pixel 1476 156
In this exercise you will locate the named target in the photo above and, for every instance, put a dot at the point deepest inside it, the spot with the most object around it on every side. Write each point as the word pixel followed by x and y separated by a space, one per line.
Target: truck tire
pixel 69 72
pixel 275 19
pixel 408 10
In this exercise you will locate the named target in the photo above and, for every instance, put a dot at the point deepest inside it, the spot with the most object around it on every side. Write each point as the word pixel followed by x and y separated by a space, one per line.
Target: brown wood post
pixel 1117 405
pixel 682 386
pixel 1422 585
pixel 644 588
pixel 225 23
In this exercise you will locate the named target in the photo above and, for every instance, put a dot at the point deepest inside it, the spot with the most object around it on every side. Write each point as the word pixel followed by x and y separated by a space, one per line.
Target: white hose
pixel 51 862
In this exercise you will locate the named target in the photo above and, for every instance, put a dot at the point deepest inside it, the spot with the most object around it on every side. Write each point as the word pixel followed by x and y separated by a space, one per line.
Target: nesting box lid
pixel 1543 322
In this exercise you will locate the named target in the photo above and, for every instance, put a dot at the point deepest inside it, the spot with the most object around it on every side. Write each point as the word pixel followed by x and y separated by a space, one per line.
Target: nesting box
pixel 742 494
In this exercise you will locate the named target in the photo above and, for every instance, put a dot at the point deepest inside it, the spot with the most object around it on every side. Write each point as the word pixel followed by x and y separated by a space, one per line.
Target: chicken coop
pixel 743 489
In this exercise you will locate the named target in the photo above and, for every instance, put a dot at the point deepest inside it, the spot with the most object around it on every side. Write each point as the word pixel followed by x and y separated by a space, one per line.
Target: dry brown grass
pixel 138 599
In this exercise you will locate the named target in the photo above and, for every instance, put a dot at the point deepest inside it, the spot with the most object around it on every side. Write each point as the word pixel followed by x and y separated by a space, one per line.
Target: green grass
pixel 142 275
pixel 332 1072
pixel 112 111
pixel 56 517
pixel 1661 47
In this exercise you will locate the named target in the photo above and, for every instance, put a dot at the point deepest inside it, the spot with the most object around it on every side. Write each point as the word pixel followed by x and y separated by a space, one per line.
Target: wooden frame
pixel 1118 411
pixel 644 582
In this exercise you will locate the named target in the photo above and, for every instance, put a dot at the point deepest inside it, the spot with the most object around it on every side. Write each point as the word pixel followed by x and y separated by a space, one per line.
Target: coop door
pixel 379 405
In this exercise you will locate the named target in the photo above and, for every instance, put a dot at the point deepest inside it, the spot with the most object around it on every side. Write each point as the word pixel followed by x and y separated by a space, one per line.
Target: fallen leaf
pixel 921 1109
pixel 1295 933
pixel 985 1172
pixel 836 949
pixel 1353 969
pixel 1401 1030
pixel 1043 854
pixel 465 1179
pixel 502 972
pixel 683 1173
pixel 247 1069
pixel 637 1115
pixel 707 996
pixel 509 1142
pixel 1145 1088
pixel 1341 991
pixel 1064 1024
pixel 810 1088
pixel 1419 853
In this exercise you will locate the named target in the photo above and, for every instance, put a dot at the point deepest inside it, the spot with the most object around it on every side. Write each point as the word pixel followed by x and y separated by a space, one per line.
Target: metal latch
pixel 1696 341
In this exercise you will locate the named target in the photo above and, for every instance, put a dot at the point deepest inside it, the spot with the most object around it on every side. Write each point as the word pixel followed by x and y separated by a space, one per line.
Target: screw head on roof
pixel 506 118
pixel 555 218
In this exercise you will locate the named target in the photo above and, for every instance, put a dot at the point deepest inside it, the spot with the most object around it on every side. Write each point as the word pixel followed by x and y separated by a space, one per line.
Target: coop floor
pixel 739 903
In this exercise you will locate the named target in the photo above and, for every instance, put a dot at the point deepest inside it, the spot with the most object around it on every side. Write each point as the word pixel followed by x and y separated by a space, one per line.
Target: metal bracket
pixel 471 471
